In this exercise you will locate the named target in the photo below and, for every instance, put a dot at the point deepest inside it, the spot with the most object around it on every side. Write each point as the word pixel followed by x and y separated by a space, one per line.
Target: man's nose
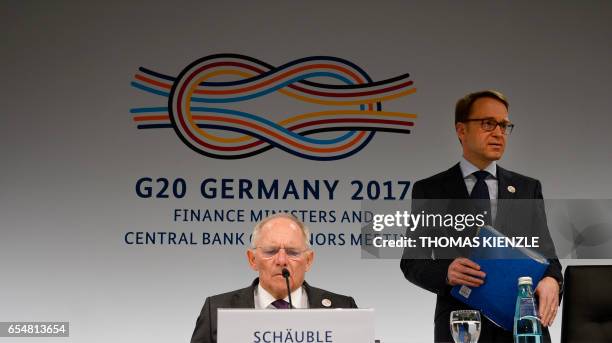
pixel 498 131
pixel 281 257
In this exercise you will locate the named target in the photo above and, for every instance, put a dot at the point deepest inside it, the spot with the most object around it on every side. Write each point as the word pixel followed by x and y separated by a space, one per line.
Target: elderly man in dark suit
pixel 278 242
pixel 482 126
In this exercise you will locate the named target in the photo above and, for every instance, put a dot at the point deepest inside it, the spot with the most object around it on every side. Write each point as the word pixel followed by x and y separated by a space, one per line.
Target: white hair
pixel 299 223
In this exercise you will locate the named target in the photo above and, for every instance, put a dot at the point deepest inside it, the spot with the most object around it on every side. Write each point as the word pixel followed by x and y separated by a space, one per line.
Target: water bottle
pixel 527 327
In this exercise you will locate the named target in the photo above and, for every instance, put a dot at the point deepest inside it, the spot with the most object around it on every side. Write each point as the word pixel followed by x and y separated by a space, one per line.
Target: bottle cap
pixel 525 280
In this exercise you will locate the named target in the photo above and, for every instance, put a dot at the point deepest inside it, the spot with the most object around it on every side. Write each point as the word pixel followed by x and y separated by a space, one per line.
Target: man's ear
pixel 309 259
pixel 251 258
pixel 460 129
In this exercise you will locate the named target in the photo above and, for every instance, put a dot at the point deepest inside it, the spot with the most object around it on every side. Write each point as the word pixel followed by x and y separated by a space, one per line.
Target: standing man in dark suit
pixel 482 126
pixel 278 241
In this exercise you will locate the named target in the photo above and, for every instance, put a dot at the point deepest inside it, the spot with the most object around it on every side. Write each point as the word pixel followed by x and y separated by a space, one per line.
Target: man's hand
pixel 547 292
pixel 463 271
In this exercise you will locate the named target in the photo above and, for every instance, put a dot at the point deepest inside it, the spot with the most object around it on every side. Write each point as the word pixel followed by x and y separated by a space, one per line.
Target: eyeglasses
pixel 489 124
pixel 292 253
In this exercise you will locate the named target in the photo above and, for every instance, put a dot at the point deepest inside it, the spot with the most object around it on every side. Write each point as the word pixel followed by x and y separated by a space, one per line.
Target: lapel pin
pixel 511 189
pixel 326 302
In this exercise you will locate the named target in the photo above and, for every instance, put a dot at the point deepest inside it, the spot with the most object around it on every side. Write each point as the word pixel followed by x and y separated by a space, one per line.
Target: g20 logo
pixel 202 100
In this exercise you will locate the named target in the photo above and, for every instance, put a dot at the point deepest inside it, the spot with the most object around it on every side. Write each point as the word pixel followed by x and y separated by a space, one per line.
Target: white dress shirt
pixel 467 170
pixel 264 300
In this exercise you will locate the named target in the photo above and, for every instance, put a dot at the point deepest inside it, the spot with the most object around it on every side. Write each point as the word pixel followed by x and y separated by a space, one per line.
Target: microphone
pixel 286 275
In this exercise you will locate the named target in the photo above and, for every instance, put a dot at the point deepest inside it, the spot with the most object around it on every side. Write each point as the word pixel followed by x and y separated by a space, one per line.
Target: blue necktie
pixel 481 192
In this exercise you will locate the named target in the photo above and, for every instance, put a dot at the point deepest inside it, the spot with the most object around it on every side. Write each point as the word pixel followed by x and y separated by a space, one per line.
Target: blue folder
pixel 496 298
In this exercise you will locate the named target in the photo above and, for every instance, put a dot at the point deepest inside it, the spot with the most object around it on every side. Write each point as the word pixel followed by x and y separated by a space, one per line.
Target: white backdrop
pixel 71 152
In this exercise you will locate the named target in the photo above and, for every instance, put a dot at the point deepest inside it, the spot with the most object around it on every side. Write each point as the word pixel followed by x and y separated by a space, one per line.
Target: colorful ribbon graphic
pixel 196 106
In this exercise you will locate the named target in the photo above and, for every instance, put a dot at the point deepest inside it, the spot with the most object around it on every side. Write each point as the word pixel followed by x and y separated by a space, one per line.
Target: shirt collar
pixel 467 168
pixel 264 298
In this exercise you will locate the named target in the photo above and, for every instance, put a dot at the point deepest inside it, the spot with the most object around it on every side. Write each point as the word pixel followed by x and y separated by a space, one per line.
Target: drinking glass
pixel 465 326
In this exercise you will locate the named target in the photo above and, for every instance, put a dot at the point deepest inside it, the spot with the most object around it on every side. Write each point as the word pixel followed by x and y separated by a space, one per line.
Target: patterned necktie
pixel 481 192
pixel 281 304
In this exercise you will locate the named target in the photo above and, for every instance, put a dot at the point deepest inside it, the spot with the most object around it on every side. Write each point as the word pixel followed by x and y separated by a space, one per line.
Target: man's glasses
pixel 292 253
pixel 489 124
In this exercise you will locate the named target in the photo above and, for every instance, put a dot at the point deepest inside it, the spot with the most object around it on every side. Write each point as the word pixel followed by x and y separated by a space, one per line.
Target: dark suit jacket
pixel 206 325
pixel 431 274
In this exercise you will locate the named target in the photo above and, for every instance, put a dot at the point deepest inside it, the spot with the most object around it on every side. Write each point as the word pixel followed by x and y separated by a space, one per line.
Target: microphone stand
pixel 286 275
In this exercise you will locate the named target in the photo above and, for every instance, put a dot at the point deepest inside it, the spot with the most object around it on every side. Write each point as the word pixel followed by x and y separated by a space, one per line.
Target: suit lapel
pixel 454 185
pixel 504 203
pixel 314 298
pixel 505 184
pixel 454 202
